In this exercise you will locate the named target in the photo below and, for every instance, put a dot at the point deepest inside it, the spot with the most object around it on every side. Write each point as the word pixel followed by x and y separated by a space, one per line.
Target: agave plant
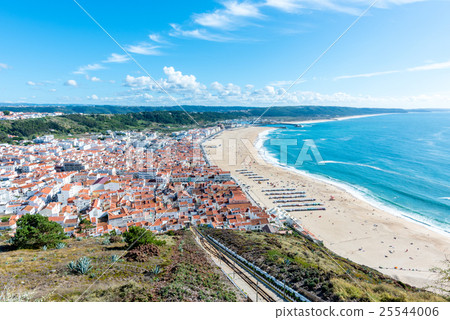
pixel 60 245
pixel 79 239
pixel 72 266
pixel 106 241
pixel 81 266
pixel 84 265
pixel 115 258
pixel 155 271
pixel 44 248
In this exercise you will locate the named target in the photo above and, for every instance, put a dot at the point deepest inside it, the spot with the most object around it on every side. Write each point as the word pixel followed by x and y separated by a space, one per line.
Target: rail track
pixel 237 266
pixel 211 248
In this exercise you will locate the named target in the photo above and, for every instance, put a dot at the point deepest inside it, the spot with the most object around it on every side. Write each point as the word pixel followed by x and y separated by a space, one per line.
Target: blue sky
pixel 226 52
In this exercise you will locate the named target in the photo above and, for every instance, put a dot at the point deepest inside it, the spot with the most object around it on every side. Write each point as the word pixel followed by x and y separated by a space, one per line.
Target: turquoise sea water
pixel 398 161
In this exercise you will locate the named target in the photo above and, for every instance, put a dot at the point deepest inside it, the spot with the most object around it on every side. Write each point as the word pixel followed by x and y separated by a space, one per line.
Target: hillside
pixel 77 123
pixel 184 273
pixel 305 265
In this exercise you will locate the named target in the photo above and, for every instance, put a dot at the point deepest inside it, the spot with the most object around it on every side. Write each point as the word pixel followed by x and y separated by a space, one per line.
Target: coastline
pixel 359 193
pixel 351 227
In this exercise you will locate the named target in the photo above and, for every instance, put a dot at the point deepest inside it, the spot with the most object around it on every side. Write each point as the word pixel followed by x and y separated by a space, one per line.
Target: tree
pixel 6 112
pixel 137 236
pixel 36 231
pixel 442 283
pixel 84 225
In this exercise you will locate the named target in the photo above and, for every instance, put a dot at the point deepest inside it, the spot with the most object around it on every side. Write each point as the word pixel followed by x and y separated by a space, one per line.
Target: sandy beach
pixel 350 227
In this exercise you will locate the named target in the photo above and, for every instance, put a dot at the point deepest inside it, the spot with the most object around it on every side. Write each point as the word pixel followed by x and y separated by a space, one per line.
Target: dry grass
pixel 38 275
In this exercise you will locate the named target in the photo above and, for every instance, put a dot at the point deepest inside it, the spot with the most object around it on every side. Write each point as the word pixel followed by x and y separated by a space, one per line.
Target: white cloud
pixel 284 5
pixel 38 84
pixel 217 86
pixel 432 66
pixel 345 99
pixel 228 17
pixel 367 75
pixel 144 48
pixel 188 90
pixel 201 34
pixel 4 66
pixel 385 3
pixel 426 67
pixel 345 6
pixel 95 79
pixel 117 58
pixel 215 19
pixel 285 83
pixel 155 37
pixel 34 84
pixel 226 90
pixel 300 6
pixel 93 97
pixel 89 67
pixel 138 82
pixel 175 81
pixel 236 14
pixel 178 80
pixel 71 83
pixel 243 9
pixel 52 90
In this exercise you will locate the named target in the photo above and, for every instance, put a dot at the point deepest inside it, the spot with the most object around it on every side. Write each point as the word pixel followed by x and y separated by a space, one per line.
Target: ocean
pixel 397 162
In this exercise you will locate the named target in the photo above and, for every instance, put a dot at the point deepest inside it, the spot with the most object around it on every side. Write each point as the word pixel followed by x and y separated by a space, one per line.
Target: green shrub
pixel 36 231
pixel 137 236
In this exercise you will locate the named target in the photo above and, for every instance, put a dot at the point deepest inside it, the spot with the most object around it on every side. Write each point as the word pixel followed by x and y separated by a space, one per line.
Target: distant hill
pixel 102 118
pixel 166 121
pixel 256 111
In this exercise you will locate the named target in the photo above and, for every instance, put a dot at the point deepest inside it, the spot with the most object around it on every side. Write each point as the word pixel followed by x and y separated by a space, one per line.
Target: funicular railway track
pixel 211 248
pixel 254 280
